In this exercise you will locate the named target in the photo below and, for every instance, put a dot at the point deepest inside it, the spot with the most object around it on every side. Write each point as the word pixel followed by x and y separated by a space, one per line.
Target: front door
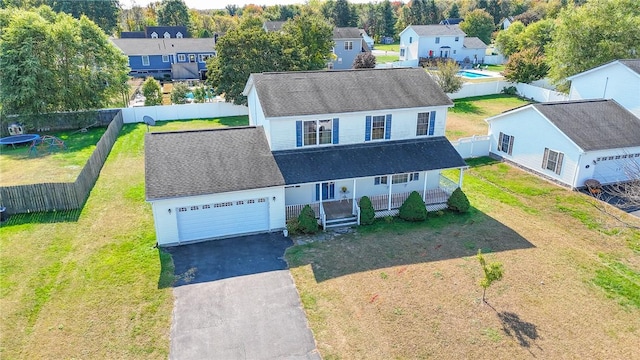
pixel 328 191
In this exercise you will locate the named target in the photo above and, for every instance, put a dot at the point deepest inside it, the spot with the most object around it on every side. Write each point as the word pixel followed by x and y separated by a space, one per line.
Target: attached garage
pixel 212 184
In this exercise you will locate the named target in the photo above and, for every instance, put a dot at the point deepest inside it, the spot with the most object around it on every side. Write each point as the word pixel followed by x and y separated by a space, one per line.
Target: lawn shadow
pixel 222 259
pixel 49 217
pixel 466 107
pixel 524 332
pixel 384 245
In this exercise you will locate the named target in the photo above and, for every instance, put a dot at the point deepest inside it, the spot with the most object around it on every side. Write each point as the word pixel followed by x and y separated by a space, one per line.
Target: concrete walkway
pixel 236 300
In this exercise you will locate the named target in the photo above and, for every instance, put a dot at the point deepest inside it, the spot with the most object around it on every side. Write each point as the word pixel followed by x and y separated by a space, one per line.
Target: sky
pixel 220 4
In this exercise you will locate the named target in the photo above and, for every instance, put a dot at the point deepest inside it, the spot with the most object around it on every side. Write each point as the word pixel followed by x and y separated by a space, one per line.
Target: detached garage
pixel 212 184
pixel 570 142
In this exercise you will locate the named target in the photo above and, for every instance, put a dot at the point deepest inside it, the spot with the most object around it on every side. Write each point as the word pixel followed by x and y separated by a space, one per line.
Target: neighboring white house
pixel 569 142
pixel 618 80
pixel 439 41
pixel 322 138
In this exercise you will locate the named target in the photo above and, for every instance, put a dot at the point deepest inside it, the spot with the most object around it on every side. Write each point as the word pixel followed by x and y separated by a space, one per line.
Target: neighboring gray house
pixel 348 44
pixel 571 141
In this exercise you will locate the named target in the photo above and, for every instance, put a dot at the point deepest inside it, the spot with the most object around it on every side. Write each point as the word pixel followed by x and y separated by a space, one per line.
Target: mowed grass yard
pixel 396 290
pixel 90 284
pixel 467 116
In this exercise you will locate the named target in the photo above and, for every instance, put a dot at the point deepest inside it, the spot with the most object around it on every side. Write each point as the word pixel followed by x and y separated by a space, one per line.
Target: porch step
pixel 342 222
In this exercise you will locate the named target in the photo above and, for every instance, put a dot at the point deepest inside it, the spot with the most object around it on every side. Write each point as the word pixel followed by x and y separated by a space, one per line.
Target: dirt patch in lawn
pixel 401 290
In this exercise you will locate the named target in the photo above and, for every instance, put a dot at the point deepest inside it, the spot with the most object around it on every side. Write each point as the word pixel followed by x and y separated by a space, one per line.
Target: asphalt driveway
pixel 235 299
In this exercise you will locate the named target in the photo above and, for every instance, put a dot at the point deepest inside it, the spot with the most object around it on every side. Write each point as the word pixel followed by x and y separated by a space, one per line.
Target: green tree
pixel 307 222
pixel 179 93
pixel 491 273
pixel 260 52
pixel 495 10
pixel 417 12
pixel 537 35
pixel 508 41
pixel 313 37
pixel 433 16
pixel 526 66
pixel 478 23
pixel 364 61
pixel 103 13
pixel 454 11
pixel 152 92
pixel 386 20
pixel 458 201
pixel 446 76
pixel 342 14
pixel 413 209
pixel 173 13
pixel 593 34
pixel 58 63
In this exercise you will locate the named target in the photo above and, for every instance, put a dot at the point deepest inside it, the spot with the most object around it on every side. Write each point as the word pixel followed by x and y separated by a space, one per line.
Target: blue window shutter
pixel 432 122
pixel 336 135
pixel 387 127
pixel 317 192
pixel 298 133
pixel 367 129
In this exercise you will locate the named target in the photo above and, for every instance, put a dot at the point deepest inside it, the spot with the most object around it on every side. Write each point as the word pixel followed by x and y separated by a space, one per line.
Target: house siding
pixel 345 58
pixel 166 224
pixel 281 132
pixel 533 133
pixel 614 81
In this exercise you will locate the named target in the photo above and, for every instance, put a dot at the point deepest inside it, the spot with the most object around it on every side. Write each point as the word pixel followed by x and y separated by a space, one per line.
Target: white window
pixel 179 35
pixel 154 35
pixel 438 40
pixel 380 180
pixel 145 60
pixel 165 58
pixel 505 143
pixel 377 127
pixel 348 45
pixel 414 176
pixel 182 58
pixel 400 179
pixel 166 35
pixel 423 124
pixel 317 132
pixel 457 38
pixel 552 160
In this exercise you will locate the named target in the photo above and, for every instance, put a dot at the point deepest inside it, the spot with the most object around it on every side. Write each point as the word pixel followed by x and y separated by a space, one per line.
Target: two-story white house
pixel 323 139
pixel 439 41
pixel 618 80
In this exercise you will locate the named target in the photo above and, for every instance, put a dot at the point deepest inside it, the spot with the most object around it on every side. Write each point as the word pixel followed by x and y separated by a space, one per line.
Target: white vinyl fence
pixel 536 93
pixel 183 112
pixel 471 147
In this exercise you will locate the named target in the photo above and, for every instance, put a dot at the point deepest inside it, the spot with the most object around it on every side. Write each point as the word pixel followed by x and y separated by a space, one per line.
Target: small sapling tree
pixel 492 272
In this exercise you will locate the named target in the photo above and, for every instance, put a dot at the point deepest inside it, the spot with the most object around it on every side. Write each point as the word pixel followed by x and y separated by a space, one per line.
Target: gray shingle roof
pixel 474 43
pixel 332 92
pixel 346 33
pixel 633 64
pixel 367 159
pixel 273 25
pixel 594 124
pixel 189 163
pixel 437 30
pixel 162 46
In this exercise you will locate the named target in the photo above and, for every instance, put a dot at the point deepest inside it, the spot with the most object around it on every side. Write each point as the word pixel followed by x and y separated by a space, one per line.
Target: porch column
pixel 390 185
pixel 424 187
pixel 354 190
pixel 320 196
pixel 460 179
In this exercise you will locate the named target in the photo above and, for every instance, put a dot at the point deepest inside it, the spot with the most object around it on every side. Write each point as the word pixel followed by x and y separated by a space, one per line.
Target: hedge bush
pixel 367 213
pixel 307 222
pixel 458 201
pixel 413 209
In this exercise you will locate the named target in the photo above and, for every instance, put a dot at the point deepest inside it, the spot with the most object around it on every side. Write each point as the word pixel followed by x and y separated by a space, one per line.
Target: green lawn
pixel 381 59
pixel 388 47
pixel 90 283
pixel 570 287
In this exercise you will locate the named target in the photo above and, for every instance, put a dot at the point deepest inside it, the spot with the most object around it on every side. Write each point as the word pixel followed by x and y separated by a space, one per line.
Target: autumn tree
pixel 313 37
pixel 526 66
pixel 364 61
pixel 593 34
pixel 179 93
pixel 508 41
pixel 478 23
pixel 446 76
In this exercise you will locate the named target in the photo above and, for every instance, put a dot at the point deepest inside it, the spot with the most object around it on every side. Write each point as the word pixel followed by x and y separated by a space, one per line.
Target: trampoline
pixel 19 139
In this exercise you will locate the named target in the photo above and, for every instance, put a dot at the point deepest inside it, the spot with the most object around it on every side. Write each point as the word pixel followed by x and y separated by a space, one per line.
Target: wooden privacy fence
pixel 62 196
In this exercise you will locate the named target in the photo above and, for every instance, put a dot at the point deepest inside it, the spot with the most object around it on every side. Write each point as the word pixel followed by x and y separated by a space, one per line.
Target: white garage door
pixel 615 168
pixel 223 219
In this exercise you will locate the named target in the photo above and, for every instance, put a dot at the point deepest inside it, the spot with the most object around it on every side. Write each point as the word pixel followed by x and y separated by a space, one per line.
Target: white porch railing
pixel 356 207
pixel 292 211
pixel 323 217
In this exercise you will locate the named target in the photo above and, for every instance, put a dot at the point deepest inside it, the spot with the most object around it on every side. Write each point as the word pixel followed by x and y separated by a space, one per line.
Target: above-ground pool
pixel 472 75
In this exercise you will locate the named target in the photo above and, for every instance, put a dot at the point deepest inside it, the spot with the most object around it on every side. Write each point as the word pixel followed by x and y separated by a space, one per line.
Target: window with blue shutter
pixel 336 136
pixel 367 128
pixel 298 133
pixel 387 127
pixel 432 122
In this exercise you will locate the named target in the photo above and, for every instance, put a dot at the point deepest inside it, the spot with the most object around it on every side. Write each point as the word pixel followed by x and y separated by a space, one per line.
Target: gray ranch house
pixel 323 139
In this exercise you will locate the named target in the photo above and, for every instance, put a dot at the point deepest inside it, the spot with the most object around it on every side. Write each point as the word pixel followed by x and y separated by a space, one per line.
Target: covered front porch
pixel 342 207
